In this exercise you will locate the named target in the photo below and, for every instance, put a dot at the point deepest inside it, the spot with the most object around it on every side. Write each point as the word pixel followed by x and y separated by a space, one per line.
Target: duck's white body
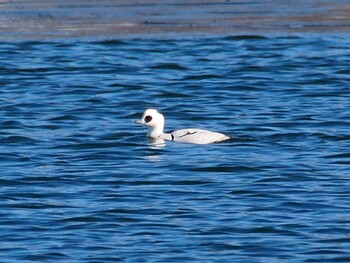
pixel 155 121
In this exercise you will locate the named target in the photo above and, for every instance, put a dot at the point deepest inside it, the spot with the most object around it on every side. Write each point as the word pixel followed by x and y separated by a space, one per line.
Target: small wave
pixel 12 125
pixel 226 169
pixel 246 37
pixel 337 156
pixel 64 118
pixel 202 77
pixel 18 139
pixel 173 95
pixel 169 66
pixel 111 42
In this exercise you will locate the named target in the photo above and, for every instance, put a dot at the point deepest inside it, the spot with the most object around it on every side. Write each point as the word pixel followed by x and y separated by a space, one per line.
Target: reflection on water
pixel 156 143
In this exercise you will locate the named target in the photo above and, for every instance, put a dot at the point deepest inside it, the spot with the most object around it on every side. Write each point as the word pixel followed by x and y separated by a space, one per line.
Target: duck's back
pixel 198 136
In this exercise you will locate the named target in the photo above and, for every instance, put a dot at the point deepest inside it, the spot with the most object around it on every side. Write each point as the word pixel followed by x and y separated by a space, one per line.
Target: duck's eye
pixel 148 119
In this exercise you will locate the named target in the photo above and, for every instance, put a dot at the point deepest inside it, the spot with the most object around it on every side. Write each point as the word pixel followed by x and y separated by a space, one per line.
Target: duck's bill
pixel 140 122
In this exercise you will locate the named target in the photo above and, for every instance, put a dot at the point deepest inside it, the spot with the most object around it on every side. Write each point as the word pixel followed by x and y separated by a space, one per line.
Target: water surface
pixel 80 182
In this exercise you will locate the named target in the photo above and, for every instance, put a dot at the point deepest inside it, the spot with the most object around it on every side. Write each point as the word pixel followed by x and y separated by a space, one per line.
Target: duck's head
pixel 154 120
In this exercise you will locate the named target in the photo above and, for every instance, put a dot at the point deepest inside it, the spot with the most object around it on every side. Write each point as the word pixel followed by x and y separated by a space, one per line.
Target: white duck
pixel 155 121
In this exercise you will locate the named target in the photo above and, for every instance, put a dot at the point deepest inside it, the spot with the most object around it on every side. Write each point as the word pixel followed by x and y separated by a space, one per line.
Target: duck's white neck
pixel 156 131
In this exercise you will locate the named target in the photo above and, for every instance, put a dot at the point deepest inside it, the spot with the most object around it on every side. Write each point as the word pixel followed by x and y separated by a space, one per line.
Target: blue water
pixel 81 183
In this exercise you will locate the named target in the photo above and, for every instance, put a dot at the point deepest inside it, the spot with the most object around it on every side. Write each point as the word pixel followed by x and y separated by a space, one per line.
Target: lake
pixel 81 183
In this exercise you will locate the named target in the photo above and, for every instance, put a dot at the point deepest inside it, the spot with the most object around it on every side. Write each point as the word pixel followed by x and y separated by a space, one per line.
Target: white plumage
pixel 155 122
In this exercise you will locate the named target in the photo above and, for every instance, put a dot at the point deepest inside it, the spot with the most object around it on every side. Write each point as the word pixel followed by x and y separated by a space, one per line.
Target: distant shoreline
pixel 108 20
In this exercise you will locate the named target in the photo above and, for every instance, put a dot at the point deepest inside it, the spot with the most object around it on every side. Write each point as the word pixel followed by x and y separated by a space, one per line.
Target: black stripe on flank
pixel 188 133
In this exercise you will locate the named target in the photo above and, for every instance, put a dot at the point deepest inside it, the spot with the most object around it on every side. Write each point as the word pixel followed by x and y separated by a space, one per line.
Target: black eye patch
pixel 148 119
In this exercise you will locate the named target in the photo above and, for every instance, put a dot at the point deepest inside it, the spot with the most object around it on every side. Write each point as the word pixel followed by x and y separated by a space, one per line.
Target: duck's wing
pixel 197 136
